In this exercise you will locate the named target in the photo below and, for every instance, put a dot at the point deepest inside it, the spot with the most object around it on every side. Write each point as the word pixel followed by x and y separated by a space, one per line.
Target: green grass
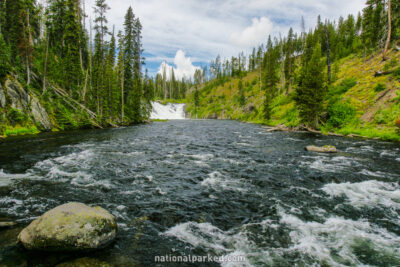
pixel 356 103
pixel 19 130
pixel 158 120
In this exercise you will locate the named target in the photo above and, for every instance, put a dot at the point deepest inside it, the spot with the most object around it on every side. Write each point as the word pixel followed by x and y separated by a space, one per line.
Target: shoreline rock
pixel 70 227
pixel 323 149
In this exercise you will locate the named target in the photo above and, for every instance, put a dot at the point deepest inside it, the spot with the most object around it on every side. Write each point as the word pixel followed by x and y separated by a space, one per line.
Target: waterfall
pixel 168 112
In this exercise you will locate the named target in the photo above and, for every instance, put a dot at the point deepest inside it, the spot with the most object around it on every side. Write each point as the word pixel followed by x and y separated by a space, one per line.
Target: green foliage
pixel 397 123
pixel 242 98
pixel 310 92
pixel 342 88
pixel 340 114
pixel 16 116
pixel 5 66
pixel 387 116
pixel 18 130
pixel 380 87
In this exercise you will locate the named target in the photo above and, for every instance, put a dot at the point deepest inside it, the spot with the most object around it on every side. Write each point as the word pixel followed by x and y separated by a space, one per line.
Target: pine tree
pixel 71 54
pixel 242 97
pixel 132 92
pixel 5 66
pixel 311 89
pixel 270 77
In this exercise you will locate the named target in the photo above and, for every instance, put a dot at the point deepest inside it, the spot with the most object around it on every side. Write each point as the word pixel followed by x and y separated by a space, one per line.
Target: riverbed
pixel 219 188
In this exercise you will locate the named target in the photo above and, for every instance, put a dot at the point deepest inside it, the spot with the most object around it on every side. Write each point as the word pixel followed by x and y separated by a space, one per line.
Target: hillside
pixel 357 102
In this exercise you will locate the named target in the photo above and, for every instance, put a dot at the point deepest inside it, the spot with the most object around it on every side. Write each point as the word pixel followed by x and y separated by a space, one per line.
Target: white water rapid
pixel 168 112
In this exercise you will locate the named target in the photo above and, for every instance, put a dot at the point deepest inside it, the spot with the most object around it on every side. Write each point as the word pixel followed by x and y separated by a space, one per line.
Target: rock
pixel 70 227
pixel 84 262
pixel 20 99
pixel 324 149
pixel 7 224
pixel 40 115
pixel 2 98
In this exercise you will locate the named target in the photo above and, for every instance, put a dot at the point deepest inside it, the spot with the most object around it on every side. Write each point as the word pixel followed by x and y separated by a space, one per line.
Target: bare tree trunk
pixel 28 48
pixel 85 86
pixel 45 65
pixel 389 31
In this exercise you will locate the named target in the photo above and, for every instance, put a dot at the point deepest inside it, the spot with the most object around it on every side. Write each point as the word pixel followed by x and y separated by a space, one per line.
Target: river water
pixel 218 188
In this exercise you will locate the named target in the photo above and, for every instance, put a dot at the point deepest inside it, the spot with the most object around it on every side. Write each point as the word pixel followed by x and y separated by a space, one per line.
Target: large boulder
pixel 19 98
pixel 70 227
pixel 40 115
pixel 26 102
pixel 323 149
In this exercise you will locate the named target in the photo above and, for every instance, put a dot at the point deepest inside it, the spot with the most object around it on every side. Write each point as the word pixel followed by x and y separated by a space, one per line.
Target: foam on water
pixel 329 164
pixel 168 112
pixel 343 236
pixel 7 179
pixel 218 182
pixel 367 194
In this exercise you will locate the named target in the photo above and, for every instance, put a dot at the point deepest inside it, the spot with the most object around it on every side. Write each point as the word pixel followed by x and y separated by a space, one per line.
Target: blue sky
pixel 176 30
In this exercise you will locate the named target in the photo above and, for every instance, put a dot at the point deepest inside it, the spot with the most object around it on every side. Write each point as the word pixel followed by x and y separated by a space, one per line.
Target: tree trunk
pixel 389 30
pixel 45 65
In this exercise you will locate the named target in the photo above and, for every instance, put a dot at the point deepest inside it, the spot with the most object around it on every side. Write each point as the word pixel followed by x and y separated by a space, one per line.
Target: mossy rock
pixel 70 227
pixel 84 262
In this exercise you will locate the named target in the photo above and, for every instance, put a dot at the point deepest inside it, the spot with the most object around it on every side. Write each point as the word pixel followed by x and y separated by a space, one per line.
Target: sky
pixel 187 34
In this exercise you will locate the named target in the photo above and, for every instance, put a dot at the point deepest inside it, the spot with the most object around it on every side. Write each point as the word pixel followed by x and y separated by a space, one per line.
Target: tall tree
pixel 311 89
pixel 271 77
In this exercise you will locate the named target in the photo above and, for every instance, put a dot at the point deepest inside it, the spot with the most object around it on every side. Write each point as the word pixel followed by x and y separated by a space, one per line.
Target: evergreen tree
pixel 311 89
pixel 242 98
pixel 5 66
pixel 270 77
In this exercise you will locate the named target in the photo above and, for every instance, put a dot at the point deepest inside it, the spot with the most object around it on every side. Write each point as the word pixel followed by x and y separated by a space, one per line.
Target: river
pixel 220 188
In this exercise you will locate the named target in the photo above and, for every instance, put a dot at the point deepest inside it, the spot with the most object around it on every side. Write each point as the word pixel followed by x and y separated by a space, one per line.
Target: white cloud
pixel 253 35
pixel 205 28
pixel 184 67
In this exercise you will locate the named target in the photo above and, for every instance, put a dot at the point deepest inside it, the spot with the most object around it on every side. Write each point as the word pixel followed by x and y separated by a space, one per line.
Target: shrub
pixel 342 88
pixel 396 73
pixel 379 87
pixel 16 116
pixel 397 123
pixel 340 114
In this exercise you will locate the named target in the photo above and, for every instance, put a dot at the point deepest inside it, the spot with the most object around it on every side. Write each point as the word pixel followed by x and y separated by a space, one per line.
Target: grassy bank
pixel 356 102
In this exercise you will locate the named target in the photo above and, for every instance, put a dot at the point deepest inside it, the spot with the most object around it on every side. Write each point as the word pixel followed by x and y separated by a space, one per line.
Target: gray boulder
pixel 2 98
pixel 40 115
pixel 70 227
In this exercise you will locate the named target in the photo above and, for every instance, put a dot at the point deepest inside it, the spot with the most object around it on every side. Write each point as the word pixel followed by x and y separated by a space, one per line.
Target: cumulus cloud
pixel 184 67
pixel 253 35
pixel 206 28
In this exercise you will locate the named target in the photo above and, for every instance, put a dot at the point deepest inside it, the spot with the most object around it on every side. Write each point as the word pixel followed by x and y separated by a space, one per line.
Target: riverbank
pixel 357 103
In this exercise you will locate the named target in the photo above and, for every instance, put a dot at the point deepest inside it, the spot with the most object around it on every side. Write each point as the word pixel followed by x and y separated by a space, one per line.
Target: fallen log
pixel 382 73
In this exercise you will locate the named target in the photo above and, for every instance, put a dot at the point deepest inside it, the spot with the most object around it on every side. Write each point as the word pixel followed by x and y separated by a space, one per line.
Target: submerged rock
pixel 323 149
pixel 85 262
pixel 70 227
